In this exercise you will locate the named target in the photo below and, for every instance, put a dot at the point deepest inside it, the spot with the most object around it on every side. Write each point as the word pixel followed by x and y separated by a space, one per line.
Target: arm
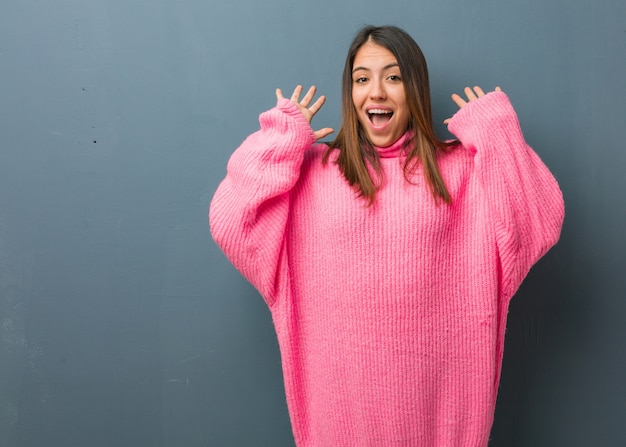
pixel 249 211
pixel 522 194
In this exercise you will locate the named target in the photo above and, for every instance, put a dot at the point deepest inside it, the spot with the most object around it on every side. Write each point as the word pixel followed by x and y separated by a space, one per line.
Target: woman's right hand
pixel 308 110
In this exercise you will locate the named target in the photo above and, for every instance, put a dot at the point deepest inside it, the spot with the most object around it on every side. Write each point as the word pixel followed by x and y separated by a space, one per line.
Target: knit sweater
pixel 390 318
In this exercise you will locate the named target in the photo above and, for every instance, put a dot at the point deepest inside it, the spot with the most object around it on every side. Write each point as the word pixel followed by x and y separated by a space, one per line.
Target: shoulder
pixel 320 167
pixel 316 153
pixel 454 155
pixel 456 166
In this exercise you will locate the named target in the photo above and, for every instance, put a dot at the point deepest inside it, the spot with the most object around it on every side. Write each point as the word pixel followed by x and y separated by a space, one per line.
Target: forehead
pixel 371 56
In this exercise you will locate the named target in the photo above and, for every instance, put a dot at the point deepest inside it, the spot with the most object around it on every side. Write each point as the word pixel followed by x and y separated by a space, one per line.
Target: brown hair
pixel 356 151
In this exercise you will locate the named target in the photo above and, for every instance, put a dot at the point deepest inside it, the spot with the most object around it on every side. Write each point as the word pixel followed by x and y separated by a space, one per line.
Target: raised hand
pixel 308 110
pixel 472 95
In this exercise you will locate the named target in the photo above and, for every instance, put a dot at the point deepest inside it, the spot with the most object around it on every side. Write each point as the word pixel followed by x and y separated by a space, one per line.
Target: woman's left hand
pixel 472 95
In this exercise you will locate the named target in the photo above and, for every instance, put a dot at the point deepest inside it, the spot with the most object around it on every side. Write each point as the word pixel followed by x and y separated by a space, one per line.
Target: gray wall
pixel 122 324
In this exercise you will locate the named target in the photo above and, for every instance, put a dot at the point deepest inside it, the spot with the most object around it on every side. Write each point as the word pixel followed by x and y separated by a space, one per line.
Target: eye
pixel 360 80
pixel 395 78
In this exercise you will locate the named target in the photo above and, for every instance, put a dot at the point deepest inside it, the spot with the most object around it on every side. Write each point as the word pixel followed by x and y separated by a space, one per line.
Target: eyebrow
pixel 386 67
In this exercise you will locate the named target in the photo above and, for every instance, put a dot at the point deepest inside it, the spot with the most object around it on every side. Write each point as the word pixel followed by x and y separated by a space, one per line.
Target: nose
pixel 378 90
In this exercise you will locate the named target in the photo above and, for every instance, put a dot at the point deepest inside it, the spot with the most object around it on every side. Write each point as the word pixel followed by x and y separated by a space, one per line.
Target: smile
pixel 379 117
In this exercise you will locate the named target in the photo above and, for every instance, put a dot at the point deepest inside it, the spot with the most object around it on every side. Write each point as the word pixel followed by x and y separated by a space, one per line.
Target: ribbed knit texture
pixel 390 318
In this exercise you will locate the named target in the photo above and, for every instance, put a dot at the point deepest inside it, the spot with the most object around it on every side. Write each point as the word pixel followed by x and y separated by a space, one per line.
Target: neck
pixel 393 150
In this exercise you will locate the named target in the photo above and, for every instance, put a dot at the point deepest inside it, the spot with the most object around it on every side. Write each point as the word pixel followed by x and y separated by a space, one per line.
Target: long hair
pixel 356 151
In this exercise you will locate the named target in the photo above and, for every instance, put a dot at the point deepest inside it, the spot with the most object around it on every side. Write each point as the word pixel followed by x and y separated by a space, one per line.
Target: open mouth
pixel 379 117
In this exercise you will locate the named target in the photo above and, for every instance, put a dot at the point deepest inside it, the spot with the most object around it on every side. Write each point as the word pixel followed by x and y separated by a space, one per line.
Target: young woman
pixel 388 258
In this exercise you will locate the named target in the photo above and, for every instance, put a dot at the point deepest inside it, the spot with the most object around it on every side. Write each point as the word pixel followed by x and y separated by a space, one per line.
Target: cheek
pixel 356 99
pixel 357 104
pixel 404 122
pixel 402 106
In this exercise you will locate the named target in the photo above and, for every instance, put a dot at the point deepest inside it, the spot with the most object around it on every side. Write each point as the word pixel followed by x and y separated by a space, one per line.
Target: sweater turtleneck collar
pixel 395 149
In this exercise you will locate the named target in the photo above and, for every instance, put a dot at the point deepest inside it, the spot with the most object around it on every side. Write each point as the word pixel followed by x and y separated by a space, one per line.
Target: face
pixel 378 94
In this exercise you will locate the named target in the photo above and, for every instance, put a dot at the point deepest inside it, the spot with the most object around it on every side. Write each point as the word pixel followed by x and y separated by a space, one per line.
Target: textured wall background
pixel 122 324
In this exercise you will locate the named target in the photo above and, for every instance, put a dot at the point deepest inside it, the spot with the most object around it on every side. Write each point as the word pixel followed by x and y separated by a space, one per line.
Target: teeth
pixel 379 111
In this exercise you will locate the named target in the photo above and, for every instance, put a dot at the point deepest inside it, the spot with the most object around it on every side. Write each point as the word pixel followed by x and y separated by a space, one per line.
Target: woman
pixel 388 258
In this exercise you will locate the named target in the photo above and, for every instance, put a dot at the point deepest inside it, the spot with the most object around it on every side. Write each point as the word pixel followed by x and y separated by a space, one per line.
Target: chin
pixel 383 141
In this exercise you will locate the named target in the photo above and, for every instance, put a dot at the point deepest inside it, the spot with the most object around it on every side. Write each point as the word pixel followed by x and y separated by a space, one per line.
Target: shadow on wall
pixel 547 336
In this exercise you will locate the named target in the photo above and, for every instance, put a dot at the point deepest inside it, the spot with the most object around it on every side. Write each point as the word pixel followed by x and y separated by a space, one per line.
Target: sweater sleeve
pixel 250 209
pixel 522 195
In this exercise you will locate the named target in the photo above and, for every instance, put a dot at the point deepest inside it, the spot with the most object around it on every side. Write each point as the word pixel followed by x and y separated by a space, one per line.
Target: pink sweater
pixel 390 318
